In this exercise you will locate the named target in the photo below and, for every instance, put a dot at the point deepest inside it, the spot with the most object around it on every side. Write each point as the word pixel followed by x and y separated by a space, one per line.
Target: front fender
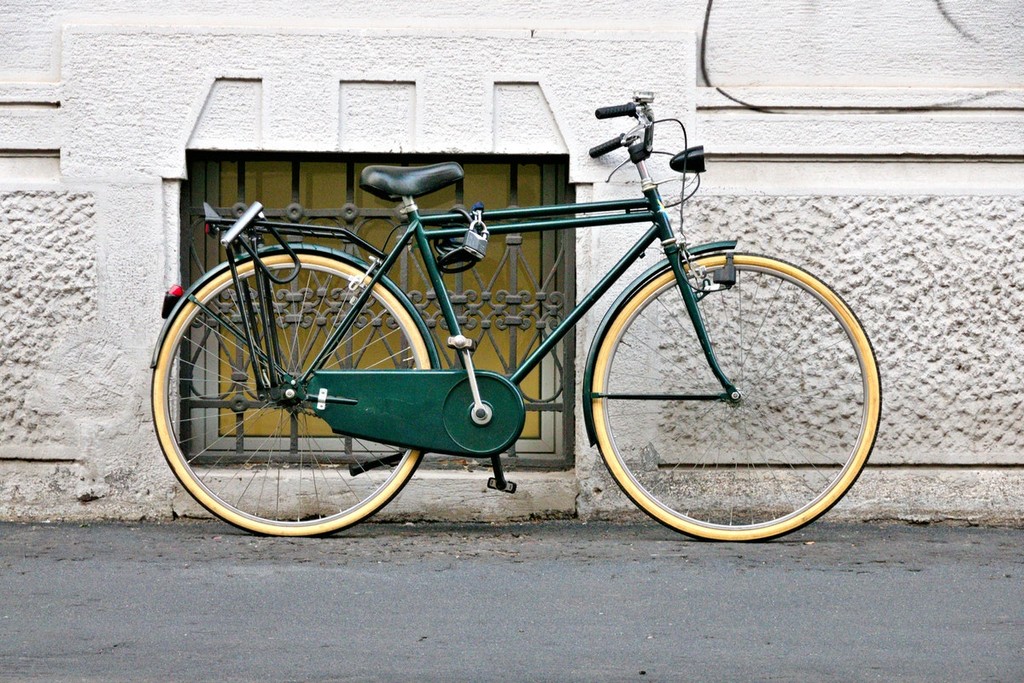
pixel 613 311
pixel 302 249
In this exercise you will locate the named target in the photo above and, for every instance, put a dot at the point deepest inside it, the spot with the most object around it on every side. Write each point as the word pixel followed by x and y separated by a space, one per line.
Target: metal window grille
pixel 508 302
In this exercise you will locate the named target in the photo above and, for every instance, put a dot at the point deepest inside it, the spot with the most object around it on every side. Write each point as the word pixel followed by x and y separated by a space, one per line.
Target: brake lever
pixel 616 170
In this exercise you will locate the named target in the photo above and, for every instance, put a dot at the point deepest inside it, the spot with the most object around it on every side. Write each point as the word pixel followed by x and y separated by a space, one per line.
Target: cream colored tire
pixel 758 468
pixel 250 462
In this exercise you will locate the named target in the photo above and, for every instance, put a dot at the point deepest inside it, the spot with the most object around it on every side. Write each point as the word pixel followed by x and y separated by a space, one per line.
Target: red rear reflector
pixel 171 298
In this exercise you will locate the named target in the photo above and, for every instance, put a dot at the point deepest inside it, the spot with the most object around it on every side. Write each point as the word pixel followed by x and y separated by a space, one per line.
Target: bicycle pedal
pixel 510 486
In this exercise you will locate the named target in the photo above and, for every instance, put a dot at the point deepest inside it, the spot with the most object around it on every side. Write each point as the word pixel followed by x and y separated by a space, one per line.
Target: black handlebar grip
pixel 620 110
pixel 605 147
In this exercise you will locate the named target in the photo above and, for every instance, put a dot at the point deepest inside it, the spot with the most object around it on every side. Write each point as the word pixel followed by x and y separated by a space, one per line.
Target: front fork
pixel 674 253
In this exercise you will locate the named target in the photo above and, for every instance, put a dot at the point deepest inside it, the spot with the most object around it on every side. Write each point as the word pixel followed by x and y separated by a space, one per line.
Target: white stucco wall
pixel 913 211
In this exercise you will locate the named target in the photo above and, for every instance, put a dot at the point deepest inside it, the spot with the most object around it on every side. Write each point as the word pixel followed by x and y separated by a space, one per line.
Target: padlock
pixel 475 243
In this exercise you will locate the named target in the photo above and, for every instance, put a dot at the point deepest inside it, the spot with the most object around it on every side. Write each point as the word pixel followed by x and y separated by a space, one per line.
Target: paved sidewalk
pixel 551 601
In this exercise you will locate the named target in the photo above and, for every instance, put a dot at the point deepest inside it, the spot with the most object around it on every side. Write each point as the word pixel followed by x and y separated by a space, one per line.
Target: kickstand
pixel 498 482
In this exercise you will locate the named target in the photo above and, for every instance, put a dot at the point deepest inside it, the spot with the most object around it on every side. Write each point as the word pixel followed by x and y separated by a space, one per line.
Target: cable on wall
pixel 938 106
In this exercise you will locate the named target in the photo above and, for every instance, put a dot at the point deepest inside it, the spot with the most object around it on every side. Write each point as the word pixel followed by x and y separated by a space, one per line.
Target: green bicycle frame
pixel 648 209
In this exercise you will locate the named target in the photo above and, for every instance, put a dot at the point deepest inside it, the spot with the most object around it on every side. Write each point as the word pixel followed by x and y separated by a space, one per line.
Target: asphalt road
pixel 552 601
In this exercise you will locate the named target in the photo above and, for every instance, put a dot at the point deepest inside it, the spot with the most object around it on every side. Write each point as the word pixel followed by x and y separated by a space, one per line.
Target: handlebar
pixel 605 147
pixel 628 109
pixel 639 140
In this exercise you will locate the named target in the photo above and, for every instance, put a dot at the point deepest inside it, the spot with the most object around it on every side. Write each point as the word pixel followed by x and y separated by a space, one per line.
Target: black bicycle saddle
pixel 395 182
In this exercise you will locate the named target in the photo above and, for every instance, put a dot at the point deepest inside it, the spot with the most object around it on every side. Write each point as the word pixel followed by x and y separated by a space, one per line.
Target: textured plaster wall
pixel 912 211
pixel 934 282
pixel 70 389
pixel 42 233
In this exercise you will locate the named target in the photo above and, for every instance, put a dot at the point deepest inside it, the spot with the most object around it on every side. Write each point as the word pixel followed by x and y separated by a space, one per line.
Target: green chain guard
pixel 401 407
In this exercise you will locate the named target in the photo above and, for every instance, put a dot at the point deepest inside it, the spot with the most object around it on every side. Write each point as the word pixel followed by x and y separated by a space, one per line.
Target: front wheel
pixel 273 466
pixel 755 468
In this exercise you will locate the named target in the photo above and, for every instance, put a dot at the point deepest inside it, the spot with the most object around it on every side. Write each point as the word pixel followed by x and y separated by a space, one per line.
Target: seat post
pixel 408 206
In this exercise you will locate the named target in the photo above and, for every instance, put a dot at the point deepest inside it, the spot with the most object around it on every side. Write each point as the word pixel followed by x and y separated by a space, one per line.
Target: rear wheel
pixel 761 467
pixel 269 466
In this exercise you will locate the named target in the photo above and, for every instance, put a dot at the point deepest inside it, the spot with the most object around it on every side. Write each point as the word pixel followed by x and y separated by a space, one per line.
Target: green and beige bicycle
pixel 296 388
